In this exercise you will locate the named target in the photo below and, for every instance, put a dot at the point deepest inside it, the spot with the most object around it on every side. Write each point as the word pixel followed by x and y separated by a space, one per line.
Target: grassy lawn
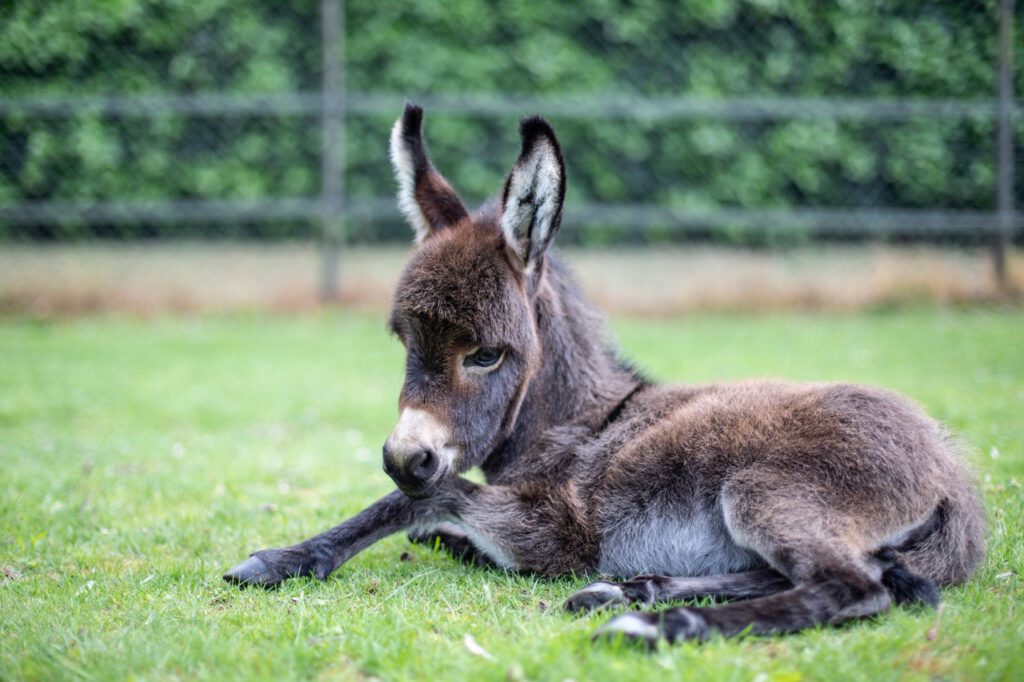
pixel 139 459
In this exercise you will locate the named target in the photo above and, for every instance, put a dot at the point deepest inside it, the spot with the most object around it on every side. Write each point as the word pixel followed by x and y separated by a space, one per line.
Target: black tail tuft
pixel 908 588
pixel 904 586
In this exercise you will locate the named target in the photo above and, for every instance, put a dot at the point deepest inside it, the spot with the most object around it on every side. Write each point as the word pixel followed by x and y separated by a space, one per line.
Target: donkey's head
pixel 464 305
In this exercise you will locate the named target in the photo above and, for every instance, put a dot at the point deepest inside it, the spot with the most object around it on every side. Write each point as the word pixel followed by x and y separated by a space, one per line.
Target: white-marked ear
pixel 534 192
pixel 425 198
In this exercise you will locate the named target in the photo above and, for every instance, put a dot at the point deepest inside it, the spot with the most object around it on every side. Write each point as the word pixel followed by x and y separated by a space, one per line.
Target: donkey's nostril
pixel 422 465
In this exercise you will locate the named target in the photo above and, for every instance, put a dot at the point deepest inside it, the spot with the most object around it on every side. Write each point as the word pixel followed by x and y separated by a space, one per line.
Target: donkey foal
pixel 802 503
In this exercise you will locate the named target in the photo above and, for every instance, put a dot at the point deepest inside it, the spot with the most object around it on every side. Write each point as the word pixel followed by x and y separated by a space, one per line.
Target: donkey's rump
pixel 865 460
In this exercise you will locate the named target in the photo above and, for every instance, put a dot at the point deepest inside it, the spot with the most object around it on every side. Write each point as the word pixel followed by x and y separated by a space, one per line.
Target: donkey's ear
pixel 425 198
pixel 532 199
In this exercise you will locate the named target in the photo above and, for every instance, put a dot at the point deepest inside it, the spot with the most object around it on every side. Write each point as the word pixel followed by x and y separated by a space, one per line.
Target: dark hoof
pixel 597 595
pixel 673 625
pixel 639 628
pixel 682 623
pixel 254 572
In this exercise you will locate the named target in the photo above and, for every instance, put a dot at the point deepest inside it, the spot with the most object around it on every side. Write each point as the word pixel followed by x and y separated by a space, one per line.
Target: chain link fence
pixel 737 121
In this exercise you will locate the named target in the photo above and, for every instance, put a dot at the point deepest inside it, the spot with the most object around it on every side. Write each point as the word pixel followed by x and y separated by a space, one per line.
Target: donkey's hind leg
pixel 827 600
pixel 652 589
pixel 808 545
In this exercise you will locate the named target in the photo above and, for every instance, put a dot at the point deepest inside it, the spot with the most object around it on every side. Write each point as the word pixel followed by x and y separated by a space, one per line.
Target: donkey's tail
pixel 906 587
pixel 944 550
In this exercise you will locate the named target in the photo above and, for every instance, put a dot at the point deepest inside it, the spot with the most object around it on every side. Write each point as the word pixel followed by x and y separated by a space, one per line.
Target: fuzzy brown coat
pixel 804 503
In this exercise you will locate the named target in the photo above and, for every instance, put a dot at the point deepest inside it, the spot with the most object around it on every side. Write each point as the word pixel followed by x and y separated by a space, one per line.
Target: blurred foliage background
pixel 612 53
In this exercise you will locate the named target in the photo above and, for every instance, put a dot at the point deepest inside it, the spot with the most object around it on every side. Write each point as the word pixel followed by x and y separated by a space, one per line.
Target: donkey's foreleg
pixel 652 589
pixel 320 555
pixel 454 540
pixel 539 529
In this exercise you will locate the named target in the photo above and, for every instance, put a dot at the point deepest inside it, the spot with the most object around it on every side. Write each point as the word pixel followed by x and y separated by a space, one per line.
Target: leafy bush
pixel 608 48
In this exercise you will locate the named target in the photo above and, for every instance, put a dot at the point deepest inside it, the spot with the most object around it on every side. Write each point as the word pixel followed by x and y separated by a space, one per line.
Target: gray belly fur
pixel 672 545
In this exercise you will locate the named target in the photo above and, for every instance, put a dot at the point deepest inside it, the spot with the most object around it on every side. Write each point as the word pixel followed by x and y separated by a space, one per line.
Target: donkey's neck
pixel 580 379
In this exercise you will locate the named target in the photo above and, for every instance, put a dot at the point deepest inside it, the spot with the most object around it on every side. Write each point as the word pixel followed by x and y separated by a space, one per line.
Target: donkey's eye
pixel 483 357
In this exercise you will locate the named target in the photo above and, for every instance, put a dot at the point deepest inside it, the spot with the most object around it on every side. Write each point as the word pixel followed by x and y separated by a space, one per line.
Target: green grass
pixel 142 458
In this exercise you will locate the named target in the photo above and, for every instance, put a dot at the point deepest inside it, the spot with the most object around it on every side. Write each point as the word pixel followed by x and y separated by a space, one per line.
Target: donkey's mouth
pixel 419 490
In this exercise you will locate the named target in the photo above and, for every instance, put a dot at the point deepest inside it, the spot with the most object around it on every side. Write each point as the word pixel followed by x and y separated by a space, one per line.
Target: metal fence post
pixel 332 189
pixel 1004 192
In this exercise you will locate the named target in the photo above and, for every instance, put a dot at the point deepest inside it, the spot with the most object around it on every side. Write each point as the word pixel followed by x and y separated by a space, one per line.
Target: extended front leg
pixel 520 528
pixel 320 555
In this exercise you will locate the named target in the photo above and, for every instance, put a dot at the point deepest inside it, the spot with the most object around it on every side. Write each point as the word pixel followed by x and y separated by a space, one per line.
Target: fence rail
pixel 803 220
pixel 583 107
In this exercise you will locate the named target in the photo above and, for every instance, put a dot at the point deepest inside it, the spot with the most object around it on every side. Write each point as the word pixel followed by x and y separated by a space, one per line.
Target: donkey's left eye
pixel 483 357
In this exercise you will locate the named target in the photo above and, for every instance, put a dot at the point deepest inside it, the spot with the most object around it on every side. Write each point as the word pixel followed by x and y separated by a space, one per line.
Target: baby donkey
pixel 800 504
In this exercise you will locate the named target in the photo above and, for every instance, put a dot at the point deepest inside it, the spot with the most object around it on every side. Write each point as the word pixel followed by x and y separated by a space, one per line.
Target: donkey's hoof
pixel 682 623
pixel 252 571
pixel 641 628
pixel 595 596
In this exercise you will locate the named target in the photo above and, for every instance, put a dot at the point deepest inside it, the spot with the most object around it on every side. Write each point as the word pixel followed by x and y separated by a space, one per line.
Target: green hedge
pixel 707 48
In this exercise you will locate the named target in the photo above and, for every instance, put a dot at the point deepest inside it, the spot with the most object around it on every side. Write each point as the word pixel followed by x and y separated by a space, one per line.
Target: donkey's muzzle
pixel 414 473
